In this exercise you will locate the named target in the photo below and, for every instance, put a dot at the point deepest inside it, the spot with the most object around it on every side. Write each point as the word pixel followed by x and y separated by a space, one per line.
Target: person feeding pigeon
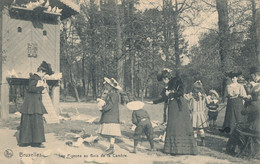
pixel 110 123
pixel 141 119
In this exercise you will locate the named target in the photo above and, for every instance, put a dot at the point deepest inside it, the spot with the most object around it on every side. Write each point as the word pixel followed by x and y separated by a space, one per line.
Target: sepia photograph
pixel 129 81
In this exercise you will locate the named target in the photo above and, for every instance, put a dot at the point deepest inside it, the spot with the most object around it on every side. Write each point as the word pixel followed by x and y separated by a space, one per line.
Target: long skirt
pixel 179 132
pixel 31 129
pixel 233 113
pixel 244 142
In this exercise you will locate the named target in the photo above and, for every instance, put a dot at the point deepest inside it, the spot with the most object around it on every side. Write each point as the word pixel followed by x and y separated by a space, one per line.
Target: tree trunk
pixel 83 74
pixel 120 61
pixel 93 57
pixel 257 20
pixel 176 43
pixel 254 29
pixel 224 34
pixel 73 83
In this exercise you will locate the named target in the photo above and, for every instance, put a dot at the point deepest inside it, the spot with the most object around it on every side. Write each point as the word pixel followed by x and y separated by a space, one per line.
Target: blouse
pixel 235 90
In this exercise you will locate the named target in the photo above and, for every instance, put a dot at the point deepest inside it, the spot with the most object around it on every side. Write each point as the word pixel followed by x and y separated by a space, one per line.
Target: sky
pixel 191 34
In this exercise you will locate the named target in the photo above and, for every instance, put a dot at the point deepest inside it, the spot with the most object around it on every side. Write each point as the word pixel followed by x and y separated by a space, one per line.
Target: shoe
pixel 110 151
pixel 38 145
pixel 134 151
pixel 227 130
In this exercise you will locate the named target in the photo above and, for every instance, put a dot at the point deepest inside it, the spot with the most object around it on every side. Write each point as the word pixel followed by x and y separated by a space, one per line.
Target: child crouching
pixel 141 119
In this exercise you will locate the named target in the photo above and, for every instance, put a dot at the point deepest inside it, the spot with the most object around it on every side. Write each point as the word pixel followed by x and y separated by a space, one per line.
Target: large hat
pixel 113 83
pixel 135 105
pixel 166 72
pixel 254 70
pixel 233 74
pixel 214 92
pixel 45 67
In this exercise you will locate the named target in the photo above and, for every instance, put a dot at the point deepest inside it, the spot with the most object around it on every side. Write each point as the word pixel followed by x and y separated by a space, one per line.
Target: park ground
pixel 81 119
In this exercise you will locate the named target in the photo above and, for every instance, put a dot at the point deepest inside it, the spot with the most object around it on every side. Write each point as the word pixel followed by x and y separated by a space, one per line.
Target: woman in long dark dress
pixel 179 137
pixel 32 110
pixel 245 140
pixel 235 93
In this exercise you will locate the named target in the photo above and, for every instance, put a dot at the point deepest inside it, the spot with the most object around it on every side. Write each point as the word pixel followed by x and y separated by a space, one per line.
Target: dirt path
pixel 86 154
pixel 57 151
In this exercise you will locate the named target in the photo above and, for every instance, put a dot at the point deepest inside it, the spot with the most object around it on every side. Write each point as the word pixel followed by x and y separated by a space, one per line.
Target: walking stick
pixel 208 119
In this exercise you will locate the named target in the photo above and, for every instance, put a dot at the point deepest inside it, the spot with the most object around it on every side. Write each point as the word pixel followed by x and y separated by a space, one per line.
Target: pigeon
pixel 72 135
pixel 91 139
pixel 133 128
pixel 17 114
pixel 47 4
pixel 58 10
pixel 41 2
pixel 54 9
pixel 49 9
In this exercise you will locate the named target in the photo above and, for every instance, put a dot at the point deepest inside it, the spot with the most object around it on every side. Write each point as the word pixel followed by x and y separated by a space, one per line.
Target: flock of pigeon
pixel 42 4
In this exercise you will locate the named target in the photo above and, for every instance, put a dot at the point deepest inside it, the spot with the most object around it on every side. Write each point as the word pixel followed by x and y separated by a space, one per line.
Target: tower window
pixel 44 32
pixel 19 29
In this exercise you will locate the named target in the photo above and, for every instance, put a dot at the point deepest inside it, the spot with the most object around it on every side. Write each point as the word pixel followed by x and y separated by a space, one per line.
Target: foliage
pixel 151 40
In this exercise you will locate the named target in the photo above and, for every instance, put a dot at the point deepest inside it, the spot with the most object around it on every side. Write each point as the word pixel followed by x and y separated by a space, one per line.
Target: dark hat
pixel 45 67
pixel 165 73
pixel 198 84
pixel 254 70
pixel 174 82
pixel 233 74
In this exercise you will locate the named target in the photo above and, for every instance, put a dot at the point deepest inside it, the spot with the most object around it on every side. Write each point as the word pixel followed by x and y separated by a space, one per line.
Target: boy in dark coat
pixel 141 119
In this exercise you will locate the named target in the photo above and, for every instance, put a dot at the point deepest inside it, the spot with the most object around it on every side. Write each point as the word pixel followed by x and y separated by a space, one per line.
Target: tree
pixel 67 57
pixel 174 16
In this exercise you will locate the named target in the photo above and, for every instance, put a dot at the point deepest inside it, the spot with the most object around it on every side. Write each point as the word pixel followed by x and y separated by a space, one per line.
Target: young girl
pixel 212 104
pixel 197 99
pixel 110 123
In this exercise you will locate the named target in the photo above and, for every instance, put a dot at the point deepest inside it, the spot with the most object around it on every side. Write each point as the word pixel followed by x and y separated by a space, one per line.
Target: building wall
pixel 15 45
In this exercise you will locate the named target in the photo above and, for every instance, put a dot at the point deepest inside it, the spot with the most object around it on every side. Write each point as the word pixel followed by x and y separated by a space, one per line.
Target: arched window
pixel 19 29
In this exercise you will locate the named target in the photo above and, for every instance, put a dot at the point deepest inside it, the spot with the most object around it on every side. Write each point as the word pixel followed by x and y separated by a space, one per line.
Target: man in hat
pixel 141 119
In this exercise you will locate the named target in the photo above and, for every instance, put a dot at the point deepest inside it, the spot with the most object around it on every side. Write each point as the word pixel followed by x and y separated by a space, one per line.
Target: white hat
pixel 113 83
pixel 135 105
pixel 214 92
